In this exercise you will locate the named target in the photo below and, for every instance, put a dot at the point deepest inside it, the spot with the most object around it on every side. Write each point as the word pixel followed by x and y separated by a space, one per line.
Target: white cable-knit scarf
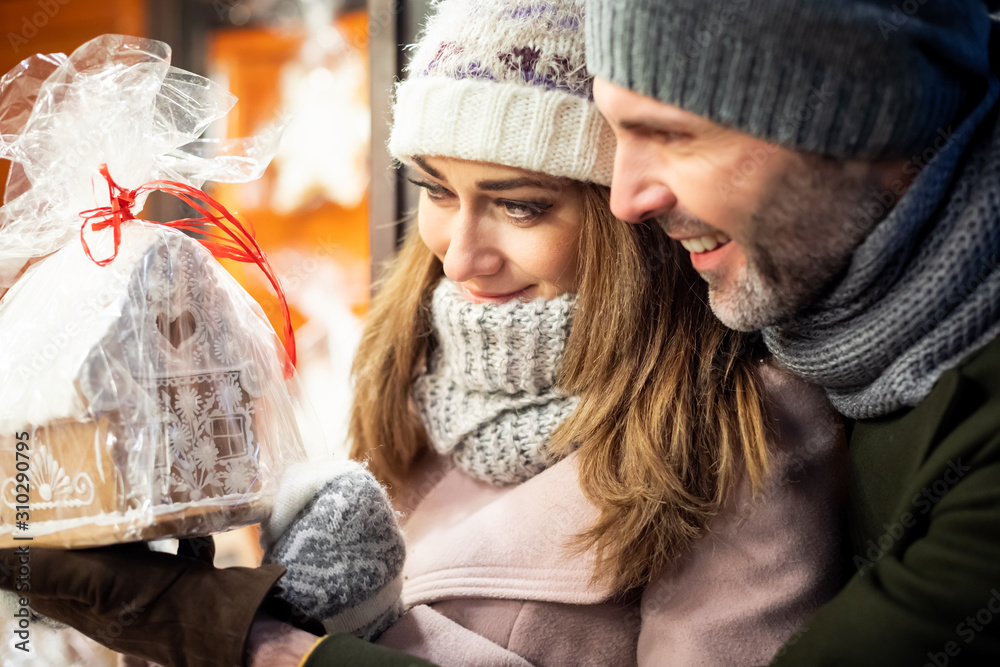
pixel 488 396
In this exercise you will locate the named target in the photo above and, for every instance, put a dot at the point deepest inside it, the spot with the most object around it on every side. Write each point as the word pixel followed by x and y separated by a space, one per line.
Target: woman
pixel 594 470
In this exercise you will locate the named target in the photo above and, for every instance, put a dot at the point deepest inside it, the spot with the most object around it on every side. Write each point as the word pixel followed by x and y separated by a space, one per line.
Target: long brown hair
pixel 670 415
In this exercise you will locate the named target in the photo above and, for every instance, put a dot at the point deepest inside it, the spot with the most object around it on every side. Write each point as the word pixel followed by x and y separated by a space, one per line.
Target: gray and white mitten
pixel 343 549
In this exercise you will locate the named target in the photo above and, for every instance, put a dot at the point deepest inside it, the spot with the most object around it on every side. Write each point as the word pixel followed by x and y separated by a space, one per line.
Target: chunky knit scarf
pixel 921 293
pixel 488 395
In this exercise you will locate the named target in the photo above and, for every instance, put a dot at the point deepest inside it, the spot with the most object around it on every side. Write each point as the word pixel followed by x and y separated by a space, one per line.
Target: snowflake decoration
pixel 204 454
pixel 188 403
pixel 238 475
pixel 225 350
pixel 229 392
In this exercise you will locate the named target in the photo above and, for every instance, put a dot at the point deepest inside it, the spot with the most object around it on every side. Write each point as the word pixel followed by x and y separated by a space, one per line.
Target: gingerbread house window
pixel 229 436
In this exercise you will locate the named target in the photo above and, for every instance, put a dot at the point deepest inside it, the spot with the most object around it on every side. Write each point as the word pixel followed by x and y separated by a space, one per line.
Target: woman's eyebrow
pixel 422 163
pixel 513 184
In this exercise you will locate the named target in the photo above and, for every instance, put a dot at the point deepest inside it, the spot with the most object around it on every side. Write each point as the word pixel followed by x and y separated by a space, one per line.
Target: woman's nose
pixel 637 193
pixel 471 252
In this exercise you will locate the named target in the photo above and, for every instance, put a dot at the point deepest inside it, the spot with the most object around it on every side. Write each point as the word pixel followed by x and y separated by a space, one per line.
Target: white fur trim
pixel 299 483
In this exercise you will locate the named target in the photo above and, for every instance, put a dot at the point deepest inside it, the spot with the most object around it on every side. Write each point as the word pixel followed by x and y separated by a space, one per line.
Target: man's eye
pixel 660 135
pixel 671 137
pixel 523 211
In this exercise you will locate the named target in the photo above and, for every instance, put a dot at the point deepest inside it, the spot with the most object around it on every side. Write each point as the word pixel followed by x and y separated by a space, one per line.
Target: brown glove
pixel 177 611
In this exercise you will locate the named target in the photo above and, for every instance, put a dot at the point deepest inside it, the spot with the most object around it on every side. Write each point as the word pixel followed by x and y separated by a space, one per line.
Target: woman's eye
pixel 523 211
pixel 434 191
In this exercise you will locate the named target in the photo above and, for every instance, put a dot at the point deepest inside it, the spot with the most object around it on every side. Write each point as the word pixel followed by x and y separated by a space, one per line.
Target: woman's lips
pixel 483 297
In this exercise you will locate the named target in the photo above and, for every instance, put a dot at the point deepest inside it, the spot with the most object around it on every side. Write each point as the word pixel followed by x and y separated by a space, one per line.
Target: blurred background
pixel 328 212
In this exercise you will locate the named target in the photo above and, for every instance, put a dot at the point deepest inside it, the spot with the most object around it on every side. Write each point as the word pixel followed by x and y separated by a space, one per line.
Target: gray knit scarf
pixel 921 293
pixel 488 395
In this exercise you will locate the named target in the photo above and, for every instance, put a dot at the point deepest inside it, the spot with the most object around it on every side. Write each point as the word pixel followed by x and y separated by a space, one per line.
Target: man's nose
pixel 471 252
pixel 637 194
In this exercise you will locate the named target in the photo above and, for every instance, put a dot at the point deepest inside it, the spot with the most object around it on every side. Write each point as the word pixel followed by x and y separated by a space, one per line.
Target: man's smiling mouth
pixel 705 243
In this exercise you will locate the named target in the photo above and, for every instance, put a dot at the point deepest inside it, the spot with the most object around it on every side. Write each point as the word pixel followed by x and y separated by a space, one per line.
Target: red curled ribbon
pixel 235 242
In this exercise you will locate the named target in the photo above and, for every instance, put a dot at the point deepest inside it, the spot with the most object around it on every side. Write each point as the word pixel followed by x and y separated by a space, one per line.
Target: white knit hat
pixel 504 82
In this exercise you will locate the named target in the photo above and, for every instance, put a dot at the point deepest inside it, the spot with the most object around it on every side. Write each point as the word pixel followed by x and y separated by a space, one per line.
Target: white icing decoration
pixel 213 449
pixel 49 481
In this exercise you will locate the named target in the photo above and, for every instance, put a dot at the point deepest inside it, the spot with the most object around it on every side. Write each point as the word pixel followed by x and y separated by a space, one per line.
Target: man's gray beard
pixel 802 239
pixel 749 307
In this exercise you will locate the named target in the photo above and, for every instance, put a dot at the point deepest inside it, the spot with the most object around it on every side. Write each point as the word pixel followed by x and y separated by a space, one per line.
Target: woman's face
pixel 502 233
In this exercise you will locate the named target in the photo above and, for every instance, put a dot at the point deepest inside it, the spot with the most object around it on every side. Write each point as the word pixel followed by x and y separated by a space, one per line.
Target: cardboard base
pixel 191 521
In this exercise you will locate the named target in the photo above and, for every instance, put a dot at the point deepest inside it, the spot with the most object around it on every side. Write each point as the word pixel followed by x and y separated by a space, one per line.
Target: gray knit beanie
pixel 846 78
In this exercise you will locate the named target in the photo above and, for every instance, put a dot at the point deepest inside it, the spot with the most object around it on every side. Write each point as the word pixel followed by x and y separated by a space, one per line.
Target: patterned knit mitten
pixel 343 550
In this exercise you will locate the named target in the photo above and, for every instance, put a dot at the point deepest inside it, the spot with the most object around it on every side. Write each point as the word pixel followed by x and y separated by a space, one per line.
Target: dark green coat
pixel 925 534
pixel 347 650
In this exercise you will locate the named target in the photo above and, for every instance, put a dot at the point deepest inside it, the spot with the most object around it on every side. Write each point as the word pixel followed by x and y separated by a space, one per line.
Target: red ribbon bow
pixel 235 242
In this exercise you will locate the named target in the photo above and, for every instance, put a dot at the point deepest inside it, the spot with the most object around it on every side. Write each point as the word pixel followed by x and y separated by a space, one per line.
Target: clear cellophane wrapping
pixel 149 397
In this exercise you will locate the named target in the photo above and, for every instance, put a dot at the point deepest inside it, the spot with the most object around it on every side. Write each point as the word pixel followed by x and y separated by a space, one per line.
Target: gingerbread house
pixel 147 396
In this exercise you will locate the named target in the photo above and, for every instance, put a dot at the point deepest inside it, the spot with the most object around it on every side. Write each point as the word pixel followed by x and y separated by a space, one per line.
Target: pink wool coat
pixel 489 582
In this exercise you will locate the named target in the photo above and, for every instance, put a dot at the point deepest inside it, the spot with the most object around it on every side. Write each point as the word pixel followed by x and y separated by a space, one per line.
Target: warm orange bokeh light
pixel 249 62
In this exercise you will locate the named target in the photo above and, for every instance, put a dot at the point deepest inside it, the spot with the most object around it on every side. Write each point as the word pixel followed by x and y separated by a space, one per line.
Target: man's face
pixel 768 228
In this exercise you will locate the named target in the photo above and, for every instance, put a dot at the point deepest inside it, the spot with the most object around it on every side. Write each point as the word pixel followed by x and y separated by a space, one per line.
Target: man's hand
pixel 177 611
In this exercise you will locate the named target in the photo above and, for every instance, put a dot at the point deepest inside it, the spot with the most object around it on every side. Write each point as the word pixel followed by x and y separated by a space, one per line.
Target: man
pixel 833 169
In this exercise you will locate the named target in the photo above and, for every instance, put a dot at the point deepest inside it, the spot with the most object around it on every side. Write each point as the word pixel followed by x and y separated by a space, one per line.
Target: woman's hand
pixel 336 534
